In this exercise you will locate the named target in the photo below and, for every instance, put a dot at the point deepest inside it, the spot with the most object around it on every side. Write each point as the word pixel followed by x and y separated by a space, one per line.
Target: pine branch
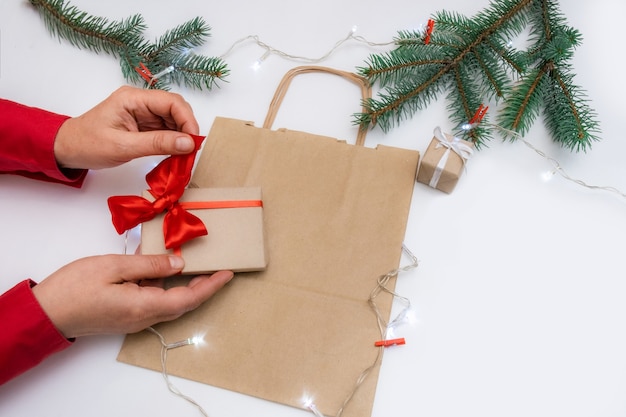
pixel 97 34
pixel 199 71
pixel 568 118
pixel 524 103
pixel 456 43
pixel 471 59
pixel 181 39
pixel 170 55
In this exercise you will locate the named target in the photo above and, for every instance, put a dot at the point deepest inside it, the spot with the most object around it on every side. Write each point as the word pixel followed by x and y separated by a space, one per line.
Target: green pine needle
pixel 125 40
pixel 97 34
pixel 199 71
pixel 470 59
pixel 181 39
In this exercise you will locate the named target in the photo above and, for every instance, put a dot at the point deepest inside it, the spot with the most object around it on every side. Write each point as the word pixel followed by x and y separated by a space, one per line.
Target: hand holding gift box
pixel 234 218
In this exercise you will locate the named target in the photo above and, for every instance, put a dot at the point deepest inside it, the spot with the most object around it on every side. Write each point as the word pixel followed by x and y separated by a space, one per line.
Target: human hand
pixel 105 294
pixel 130 123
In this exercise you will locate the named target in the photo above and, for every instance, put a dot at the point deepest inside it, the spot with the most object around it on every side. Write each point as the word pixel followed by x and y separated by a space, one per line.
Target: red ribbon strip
pixel 167 183
pixel 220 204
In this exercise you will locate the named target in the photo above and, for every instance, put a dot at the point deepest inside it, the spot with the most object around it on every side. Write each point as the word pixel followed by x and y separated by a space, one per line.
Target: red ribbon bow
pixel 167 183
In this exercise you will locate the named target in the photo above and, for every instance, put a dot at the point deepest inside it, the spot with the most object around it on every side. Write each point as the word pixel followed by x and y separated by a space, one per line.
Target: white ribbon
pixel 451 143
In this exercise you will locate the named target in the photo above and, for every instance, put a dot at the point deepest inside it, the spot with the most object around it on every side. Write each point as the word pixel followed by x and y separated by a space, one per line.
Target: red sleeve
pixel 27 144
pixel 27 335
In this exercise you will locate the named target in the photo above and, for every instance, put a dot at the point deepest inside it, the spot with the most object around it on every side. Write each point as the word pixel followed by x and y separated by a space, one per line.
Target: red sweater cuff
pixel 28 335
pixel 27 137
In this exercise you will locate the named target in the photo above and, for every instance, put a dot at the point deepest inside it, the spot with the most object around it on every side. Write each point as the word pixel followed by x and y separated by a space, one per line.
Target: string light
pixel 310 405
pixel 258 62
pixel 547 176
pixel 160 74
pixel 557 168
pixel 165 347
pixel 269 50
pixel 383 326
pixel 381 286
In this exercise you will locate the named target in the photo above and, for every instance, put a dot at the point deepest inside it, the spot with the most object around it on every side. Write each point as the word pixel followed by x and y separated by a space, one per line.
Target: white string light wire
pixel 383 326
pixel 271 50
pixel 557 168
pixel 170 385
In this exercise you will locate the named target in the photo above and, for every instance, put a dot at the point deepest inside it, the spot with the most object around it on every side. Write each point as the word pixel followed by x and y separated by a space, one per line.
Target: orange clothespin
pixel 429 30
pixel 145 74
pixel 478 116
pixel 390 342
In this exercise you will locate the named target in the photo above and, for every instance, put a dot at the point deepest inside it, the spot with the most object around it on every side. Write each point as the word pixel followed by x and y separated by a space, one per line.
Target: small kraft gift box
pixel 234 241
pixel 444 161
pixel 224 232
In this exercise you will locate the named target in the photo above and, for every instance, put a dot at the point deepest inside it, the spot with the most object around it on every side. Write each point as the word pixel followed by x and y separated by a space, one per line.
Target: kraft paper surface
pixel 335 217
pixel 235 239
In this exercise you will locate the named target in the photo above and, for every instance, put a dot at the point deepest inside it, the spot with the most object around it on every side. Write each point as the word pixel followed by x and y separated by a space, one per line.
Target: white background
pixel 520 292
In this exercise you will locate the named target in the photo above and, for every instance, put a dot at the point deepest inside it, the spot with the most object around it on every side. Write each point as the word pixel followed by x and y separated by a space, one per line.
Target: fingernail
pixel 176 262
pixel 184 144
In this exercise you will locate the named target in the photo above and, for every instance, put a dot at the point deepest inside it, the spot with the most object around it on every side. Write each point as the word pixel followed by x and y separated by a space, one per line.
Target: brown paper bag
pixel 335 218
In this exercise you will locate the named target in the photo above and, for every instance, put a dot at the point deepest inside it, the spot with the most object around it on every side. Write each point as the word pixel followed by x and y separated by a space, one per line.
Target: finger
pixel 157 142
pixel 171 107
pixel 176 301
pixel 137 267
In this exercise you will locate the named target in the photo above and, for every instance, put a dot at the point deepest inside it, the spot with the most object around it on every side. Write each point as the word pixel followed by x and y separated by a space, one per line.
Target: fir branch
pixel 125 40
pixel 89 32
pixel 524 104
pixel 472 60
pixel 199 71
pixel 495 79
pixel 181 39
pixel 458 38
pixel 568 117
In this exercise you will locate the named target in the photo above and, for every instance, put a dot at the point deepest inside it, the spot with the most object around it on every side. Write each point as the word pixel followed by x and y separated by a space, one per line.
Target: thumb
pixel 138 267
pixel 158 142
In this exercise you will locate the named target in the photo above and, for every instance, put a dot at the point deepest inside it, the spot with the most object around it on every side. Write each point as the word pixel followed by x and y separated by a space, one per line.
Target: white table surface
pixel 520 292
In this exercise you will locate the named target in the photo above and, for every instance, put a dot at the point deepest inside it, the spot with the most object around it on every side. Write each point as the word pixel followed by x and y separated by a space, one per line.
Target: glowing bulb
pixel 547 176
pixel 196 340
pixel 309 404
pixel 411 316
pixel 467 126
pixel 257 64
pixel 354 28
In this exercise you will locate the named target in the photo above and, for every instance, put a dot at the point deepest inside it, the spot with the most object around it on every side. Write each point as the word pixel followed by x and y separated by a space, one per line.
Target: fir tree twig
pixel 471 60
pixel 169 55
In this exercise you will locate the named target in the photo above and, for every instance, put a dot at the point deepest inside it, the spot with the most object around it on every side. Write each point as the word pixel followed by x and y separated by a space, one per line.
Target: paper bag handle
pixel 281 90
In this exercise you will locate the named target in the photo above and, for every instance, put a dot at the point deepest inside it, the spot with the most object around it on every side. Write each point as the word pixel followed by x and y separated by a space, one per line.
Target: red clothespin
pixel 390 342
pixel 478 116
pixel 429 30
pixel 145 74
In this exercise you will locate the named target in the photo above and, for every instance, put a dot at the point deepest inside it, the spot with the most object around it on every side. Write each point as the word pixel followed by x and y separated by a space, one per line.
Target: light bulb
pixel 547 176
pixel 257 64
